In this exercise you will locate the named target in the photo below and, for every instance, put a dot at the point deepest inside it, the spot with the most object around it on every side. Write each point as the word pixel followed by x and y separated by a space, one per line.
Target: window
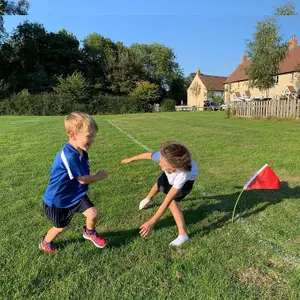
pixel 276 79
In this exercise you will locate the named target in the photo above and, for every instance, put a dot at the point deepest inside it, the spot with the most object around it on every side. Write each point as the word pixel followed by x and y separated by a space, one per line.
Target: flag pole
pixel 232 220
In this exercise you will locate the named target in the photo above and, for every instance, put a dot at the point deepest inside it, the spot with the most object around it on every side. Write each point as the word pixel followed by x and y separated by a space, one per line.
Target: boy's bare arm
pixel 146 155
pixel 100 175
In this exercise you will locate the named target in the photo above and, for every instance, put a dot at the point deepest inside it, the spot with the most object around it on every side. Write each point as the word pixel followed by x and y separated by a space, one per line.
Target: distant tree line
pixel 54 68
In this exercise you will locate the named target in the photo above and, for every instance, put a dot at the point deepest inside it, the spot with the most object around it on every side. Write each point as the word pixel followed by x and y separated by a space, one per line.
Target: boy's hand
pixel 126 161
pixel 146 228
pixel 101 175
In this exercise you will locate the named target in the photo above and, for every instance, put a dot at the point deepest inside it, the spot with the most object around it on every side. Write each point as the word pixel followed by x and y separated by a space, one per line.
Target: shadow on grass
pixel 114 239
pixel 251 203
pixel 63 244
pixel 120 238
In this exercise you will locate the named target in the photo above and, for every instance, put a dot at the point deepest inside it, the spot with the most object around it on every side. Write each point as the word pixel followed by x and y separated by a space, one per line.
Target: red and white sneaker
pixel 47 247
pixel 94 237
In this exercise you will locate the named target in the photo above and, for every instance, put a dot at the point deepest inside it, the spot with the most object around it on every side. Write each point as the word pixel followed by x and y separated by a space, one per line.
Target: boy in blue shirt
pixel 70 176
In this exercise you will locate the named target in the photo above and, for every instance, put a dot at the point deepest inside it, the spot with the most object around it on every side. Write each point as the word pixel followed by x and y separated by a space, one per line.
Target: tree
pixel 266 51
pixel 177 88
pixel 158 63
pixel 11 8
pixel 196 90
pixel 73 92
pixel 100 57
pixel 211 94
pixel 33 58
pixel 62 55
pixel 125 73
pixel 4 89
pixel 22 58
pixel 286 9
pixel 111 66
pixel 210 91
pixel 146 91
pixel 219 99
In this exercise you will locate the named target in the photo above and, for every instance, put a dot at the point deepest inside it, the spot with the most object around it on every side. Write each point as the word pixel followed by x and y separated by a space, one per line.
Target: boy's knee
pixel 59 230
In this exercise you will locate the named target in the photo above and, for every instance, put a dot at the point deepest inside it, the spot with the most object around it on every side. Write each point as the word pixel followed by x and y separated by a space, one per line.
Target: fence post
pixel 279 108
pixel 294 108
pixel 271 108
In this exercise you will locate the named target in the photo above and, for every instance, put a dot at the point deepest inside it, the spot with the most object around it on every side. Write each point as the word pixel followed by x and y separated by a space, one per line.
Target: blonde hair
pixel 79 121
pixel 177 155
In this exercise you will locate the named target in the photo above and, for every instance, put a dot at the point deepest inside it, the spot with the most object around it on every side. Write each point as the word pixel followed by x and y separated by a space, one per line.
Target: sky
pixel 206 35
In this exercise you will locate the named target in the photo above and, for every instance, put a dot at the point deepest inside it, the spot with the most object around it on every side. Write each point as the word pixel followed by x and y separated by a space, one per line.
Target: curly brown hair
pixel 177 155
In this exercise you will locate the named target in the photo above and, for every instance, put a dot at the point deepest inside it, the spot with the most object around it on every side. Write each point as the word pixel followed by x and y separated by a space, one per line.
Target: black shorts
pixel 164 187
pixel 61 217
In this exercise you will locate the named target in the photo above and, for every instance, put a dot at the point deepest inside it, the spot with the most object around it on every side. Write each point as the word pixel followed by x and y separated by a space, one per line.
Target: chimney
pixel 244 58
pixel 293 43
pixel 198 72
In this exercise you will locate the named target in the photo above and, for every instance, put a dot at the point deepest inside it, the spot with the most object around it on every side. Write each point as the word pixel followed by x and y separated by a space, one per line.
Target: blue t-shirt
pixel 64 190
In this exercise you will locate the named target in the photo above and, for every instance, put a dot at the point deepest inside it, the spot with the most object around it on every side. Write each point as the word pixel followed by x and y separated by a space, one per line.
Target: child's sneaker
pixel 93 236
pixel 47 247
pixel 143 203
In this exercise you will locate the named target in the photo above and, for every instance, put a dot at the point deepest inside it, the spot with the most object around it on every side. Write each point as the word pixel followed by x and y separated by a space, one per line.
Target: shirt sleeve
pixel 180 180
pixel 73 165
pixel 156 156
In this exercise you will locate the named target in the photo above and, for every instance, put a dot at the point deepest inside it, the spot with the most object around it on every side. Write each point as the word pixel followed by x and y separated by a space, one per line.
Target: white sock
pixel 179 240
pixel 143 203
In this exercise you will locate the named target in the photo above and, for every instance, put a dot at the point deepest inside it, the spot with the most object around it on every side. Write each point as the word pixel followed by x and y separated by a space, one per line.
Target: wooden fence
pixel 272 108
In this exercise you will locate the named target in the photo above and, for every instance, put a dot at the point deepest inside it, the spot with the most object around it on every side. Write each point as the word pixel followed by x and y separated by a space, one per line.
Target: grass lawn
pixel 257 257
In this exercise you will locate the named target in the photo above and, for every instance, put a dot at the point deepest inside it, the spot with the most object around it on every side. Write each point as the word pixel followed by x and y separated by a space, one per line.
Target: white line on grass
pixel 130 136
pixel 198 186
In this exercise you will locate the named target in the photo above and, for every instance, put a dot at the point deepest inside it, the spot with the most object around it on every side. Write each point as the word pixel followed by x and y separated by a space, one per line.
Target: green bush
pixel 48 104
pixel 146 91
pixel 229 112
pixel 24 103
pixel 168 105
pixel 4 108
pixel 108 104
pixel 4 89
pixel 17 104
pixel 73 92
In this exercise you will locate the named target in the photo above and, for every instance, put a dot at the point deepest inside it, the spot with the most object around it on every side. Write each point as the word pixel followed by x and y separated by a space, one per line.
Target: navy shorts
pixel 164 186
pixel 61 217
